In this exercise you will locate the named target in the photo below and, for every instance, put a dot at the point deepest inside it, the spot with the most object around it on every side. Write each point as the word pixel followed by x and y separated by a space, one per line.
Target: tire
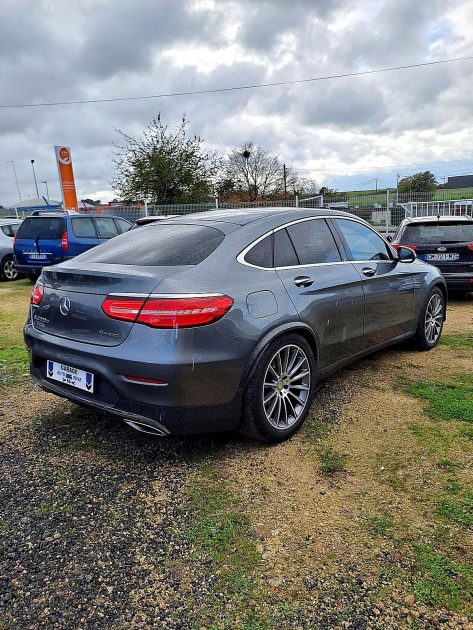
pixel 8 270
pixel 428 335
pixel 292 397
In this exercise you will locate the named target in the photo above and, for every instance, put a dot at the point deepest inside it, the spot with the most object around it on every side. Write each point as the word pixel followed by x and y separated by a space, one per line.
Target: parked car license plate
pixel 70 375
pixel 38 256
pixel 442 257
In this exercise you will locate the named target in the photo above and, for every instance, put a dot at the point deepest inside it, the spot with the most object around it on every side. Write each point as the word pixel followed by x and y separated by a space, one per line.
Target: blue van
pixel 48 238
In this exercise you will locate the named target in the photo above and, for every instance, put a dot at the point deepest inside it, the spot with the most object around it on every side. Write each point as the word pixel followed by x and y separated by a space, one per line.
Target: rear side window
pixel 42 227
pixel 284 252
pixel 83 228
pixel 123 225
pixel 10 230
pixel 158 245
pixel 314 242
pixel 106 227
pixel 438 233
pixel 261 255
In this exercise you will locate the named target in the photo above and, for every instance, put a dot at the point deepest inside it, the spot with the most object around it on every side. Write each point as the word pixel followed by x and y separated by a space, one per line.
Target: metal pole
pixel 285 180
pixel 146 208
pixel 16 179
pixel 388 214
pixel 297 201
pixel 47 190
pixel 397 189
pixel 34 175
pixel 216 202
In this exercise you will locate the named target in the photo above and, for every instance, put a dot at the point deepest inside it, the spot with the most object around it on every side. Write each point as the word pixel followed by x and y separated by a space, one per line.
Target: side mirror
pixel 406 254
pixel 389 238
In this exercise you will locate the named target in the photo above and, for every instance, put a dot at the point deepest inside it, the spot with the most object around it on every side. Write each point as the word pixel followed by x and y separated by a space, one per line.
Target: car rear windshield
pixel 158 245
pixel 42 227
pixel 438 233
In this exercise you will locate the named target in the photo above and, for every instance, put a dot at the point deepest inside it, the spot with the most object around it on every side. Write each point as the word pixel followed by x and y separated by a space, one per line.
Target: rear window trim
pixel 241 256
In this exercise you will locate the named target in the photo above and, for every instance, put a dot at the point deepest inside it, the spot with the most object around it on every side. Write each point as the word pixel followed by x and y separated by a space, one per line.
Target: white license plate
pixel 70 375
pixel 38 256
pixel 442 257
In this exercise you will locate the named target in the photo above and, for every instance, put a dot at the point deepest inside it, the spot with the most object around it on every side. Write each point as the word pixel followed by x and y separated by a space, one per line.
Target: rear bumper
pixel 460 281
pixel 203 395
pixel 28 269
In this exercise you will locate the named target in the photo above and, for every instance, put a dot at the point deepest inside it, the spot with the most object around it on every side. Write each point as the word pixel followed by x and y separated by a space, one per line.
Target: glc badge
pixel 65 305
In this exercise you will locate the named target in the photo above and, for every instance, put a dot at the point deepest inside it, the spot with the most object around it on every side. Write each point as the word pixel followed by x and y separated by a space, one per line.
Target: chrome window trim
pixel 241 256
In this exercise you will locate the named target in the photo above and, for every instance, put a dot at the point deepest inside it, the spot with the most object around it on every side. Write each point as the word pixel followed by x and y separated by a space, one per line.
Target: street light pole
pixel 47 191
pixel 34 175
pixel 16 178
pixel 285 180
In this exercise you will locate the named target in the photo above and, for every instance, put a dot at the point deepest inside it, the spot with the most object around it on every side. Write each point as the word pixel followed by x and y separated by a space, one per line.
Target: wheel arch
pixel 296 327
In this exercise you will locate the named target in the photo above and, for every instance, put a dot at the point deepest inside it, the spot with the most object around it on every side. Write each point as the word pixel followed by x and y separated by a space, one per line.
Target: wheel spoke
pixel 299 400
pixel 270 396
pixel 297 367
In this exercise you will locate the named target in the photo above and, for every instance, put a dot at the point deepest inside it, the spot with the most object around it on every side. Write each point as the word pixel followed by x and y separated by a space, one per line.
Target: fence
pixel 383 209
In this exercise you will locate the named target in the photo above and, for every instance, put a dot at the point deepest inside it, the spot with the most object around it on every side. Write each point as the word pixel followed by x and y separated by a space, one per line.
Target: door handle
pixel 303 281
pixel 368 271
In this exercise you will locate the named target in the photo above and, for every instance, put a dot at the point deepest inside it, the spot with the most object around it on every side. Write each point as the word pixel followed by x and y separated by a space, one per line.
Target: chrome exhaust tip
pixel 143 427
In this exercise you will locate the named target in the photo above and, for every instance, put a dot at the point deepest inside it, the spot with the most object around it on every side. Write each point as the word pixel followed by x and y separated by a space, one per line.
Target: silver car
pixel 219 320
pixel 8 228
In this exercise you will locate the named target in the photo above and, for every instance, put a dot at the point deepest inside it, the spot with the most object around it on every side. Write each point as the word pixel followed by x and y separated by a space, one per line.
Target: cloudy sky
pixel 341 132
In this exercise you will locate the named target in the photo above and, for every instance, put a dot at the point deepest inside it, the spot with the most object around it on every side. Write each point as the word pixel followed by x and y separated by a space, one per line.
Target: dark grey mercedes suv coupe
pixel 224 320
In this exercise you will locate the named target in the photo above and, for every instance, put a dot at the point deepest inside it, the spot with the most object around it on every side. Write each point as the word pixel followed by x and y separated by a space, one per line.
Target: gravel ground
pixel 93 522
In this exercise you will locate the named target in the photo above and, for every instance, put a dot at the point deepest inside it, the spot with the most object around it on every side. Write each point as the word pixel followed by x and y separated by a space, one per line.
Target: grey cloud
pixel 72 51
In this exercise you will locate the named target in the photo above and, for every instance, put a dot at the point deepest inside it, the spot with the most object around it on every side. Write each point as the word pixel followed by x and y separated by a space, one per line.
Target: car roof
pixel 61 215
pixel 7 221
pixel 243 216
pixel 442 219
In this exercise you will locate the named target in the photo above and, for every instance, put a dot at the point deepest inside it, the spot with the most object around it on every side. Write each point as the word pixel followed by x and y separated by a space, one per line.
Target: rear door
pixel 39 241
pixel 83 236
pixel 325 289
pixel 387 284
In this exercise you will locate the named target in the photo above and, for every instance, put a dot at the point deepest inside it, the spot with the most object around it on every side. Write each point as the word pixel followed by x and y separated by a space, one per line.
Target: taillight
pixel 470 246
pixel 396 245
pixel 122 307
pixel 169 312
pixel 14 240
pixel 37 293
pixel 65 241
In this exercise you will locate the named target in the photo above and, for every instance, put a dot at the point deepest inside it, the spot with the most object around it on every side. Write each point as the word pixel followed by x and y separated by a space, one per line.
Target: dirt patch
pixel 313 528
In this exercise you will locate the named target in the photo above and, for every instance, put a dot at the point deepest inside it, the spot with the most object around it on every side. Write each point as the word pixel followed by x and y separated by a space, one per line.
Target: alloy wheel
pixel 286 386
pixel 433 318
pixel 9 270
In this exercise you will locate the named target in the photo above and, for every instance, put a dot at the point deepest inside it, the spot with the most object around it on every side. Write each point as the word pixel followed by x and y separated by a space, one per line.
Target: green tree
pixel 164 165
pixel 419 182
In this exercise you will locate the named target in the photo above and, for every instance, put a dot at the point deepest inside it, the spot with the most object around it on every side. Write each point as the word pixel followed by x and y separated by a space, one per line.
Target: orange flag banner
pixel 66 177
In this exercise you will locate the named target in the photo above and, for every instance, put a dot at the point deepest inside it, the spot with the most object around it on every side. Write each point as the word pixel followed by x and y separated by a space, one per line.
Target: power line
pixel 388 168
pixel 234 88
